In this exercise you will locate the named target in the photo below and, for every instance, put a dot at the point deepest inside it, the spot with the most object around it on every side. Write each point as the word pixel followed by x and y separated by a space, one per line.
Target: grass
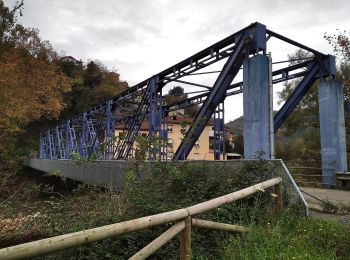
pixel 36 213
pixel 290 236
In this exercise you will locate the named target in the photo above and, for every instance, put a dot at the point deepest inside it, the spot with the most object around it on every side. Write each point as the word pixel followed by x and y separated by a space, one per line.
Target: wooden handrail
pixel 159 241
pixel 218 226
pixel 49 245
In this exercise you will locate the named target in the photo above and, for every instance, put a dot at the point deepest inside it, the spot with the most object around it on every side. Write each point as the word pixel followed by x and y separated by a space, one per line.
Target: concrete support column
pixel 256 107
pixel 332 129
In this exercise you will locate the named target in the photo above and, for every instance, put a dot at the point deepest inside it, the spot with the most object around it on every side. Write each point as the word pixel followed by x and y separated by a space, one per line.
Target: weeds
pixel 290 236
pixel 164 187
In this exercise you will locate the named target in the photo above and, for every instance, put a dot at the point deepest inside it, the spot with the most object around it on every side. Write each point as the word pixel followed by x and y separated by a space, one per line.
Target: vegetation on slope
pixel 38 88
pixel 41 210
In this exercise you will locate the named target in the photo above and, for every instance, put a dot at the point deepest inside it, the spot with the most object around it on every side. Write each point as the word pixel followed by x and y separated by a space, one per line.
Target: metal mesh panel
pixel 110 173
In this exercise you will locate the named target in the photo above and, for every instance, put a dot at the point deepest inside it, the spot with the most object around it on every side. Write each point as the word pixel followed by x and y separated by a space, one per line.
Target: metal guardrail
pixel 184 225
pixel 296 188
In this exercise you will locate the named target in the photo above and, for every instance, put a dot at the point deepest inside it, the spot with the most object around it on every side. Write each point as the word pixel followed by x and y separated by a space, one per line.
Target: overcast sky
pixel 139 38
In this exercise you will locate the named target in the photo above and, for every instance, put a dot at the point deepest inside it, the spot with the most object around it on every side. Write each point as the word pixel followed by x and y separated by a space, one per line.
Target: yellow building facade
pixel 202 148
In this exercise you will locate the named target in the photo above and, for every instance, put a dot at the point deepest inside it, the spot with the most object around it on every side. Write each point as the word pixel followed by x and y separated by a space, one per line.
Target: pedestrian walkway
pixel 336 197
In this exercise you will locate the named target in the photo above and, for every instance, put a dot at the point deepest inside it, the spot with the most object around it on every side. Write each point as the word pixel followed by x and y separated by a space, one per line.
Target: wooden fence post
pixel 278 199
pixel 185 253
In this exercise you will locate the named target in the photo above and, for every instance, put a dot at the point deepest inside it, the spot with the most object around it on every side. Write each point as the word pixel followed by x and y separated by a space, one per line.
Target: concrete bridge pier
pixel 332 130
pixel 256 109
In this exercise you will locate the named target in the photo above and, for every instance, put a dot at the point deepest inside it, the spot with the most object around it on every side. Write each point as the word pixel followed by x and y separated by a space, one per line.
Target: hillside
pixel 236 126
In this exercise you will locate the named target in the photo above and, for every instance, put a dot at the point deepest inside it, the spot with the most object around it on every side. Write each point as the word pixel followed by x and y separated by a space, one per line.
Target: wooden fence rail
pixel 182 216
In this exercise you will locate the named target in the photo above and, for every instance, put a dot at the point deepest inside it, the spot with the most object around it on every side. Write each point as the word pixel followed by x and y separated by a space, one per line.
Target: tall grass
pixel 289 236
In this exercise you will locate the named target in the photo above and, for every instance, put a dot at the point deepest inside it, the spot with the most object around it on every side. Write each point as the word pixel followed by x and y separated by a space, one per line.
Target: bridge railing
pixel 183 217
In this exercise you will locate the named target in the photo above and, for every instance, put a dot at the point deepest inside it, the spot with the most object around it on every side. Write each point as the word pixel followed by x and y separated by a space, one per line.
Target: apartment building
pixel 177 127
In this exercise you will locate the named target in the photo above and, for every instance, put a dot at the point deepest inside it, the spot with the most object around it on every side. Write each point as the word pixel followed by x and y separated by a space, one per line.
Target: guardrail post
pixel 185 253
pixel 278 199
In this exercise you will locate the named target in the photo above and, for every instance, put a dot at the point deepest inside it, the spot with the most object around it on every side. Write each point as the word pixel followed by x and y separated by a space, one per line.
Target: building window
pixel 170 128
pixel 196 156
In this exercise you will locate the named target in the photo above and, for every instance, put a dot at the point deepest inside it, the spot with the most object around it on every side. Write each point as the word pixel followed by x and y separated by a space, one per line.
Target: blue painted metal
pixel 42 152
pixel 83 138
pixel 110 131
pixel 247 42
pixel 156 122
pixel 90 136
pixel 296 96
pixel 332 129
pixel 71 140
pixel 95 129
pixel 133 125
pixel 219 132
pixel 51 145
pixel 256 107
pixel 322 68
pixel 61 153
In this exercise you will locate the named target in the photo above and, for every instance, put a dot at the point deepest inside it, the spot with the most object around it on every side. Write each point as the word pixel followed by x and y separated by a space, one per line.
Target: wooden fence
pixel 183 217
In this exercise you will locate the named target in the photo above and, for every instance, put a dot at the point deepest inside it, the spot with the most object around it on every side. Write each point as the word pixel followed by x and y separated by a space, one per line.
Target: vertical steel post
pixel 72 144
pixel 272 131
pixel 256 107
pixel 332 129
pixel 84 137
pixel 108 138
pixel 156 120
pixel 51 145
pixel 164 135
pixel 219 140
pixel 114 137
pixel 68 152
pixel 42 146
pixel 58 143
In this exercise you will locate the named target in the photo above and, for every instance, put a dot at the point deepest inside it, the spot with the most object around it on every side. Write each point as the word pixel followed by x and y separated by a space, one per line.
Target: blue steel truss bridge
pixel 93 133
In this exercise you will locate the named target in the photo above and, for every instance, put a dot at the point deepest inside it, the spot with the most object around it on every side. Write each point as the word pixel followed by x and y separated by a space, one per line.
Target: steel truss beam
pixel 315 71
pixel 93 133
pixel 247 42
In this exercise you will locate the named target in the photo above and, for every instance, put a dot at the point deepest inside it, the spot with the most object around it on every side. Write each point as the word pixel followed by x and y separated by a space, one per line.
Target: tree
pixel 93 74
pixel 31 83
pixel 177 91
pixel 299 136
pixel 91 85
pixel 340 42
pixel 239 144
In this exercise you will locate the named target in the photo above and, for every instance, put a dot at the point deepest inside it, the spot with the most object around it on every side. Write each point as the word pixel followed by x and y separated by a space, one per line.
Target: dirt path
pixel 340 198
pixel 337 197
